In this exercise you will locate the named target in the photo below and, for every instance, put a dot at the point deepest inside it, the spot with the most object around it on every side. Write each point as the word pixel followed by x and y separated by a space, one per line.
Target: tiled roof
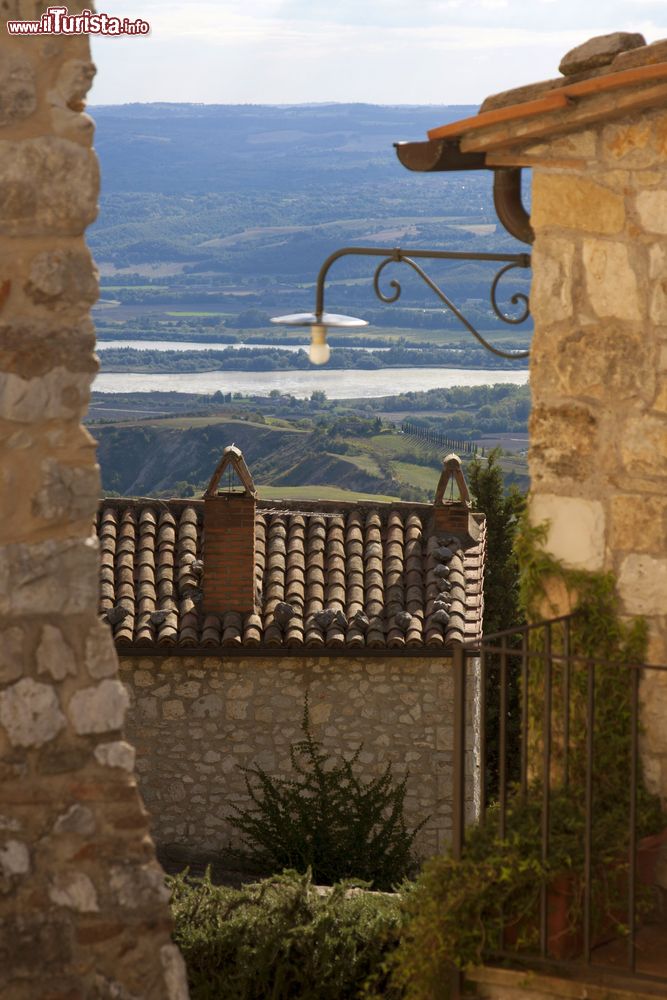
pixel 610 86
pixel 386 579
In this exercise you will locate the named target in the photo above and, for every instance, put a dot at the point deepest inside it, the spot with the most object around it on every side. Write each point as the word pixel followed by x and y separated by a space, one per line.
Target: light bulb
pixel 320 352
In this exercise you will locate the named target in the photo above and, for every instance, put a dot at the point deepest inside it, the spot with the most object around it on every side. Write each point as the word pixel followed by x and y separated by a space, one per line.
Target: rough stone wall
pixel 196 722
pixel 83 909
pixel 598 457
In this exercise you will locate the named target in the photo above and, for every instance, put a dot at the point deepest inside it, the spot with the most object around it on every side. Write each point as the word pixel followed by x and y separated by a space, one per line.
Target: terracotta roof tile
pixel 332 576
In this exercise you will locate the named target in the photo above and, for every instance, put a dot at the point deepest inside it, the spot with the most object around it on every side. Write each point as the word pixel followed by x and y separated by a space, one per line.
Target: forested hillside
pixel 219 216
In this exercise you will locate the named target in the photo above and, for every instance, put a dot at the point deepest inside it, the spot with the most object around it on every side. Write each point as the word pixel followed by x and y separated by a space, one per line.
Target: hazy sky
pixel 379 51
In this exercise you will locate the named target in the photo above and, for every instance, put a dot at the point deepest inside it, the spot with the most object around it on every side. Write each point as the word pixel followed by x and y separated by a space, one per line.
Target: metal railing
pixel 541 686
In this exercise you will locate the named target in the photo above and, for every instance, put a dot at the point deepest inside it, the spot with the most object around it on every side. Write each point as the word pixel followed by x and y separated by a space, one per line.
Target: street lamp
pixel 320 321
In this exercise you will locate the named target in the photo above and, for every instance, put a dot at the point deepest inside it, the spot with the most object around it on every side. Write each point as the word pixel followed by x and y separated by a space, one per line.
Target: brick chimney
pixel 453 514
pixel 229 537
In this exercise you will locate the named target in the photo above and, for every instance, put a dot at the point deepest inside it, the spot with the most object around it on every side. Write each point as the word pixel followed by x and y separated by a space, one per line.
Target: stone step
pixel 508 984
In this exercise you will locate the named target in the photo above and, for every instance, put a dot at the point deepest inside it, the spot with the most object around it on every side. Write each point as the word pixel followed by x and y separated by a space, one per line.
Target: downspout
pixel 508 204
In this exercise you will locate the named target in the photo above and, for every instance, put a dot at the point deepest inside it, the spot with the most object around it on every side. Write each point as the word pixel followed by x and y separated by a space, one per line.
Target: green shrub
pixel 281 939
pixel 327 819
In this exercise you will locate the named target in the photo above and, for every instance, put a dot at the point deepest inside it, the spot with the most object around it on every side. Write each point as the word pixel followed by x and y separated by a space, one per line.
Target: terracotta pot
pixel 565 941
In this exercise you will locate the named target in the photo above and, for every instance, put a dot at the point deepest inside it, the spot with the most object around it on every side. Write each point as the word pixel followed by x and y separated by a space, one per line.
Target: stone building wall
pixel 195 722
pixel 83 911
pixel 598 458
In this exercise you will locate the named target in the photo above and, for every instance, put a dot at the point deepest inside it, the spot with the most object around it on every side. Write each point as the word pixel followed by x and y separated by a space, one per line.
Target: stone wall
pixel 195 722
pixel 83 911
pixel 598 458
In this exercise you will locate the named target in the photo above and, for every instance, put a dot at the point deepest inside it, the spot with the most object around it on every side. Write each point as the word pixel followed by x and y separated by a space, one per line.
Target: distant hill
pixel 151 459
pixel 200 149
pixel 261 191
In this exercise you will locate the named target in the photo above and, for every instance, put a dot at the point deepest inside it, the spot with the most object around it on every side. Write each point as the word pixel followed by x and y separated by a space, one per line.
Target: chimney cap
pixel 452 470
pixel 232 456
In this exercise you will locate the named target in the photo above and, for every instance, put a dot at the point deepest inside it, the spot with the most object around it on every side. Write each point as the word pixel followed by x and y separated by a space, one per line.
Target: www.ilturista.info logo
pixel 59 21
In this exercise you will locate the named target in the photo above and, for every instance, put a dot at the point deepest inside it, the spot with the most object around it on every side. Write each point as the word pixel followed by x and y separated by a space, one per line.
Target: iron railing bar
pixel 524 717
pixel 458 782
pixel 482 736
pixel 528 627
pixel 502 740
pixel 546 803
pixel 566 705
pixel 560 658
pixel 588 814
pixel 632 861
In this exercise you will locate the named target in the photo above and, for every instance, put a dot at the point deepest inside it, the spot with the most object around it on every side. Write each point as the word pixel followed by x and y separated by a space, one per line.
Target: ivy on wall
pixel 459 912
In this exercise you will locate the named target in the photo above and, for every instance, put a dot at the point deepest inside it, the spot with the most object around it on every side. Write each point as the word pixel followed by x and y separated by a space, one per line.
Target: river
pixel 187 345
pixel 337 384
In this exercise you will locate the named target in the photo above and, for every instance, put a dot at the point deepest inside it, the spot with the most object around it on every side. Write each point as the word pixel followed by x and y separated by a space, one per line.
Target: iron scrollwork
pixel 398 256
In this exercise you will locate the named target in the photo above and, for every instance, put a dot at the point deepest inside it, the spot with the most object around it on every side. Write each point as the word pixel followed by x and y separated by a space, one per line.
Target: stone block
pixel 58 395
pixel 577 145
pixel 11 654
pixel 48 187
pixel 576 528
pixel 190 689
pixel 652 210
pixel 141 678
pixel 173 709
pixel 62 279
pixel 78 819
pixel 610 280
pixel 175 977
pixel 52 577
pixel 638 523
pixel 138 886
pixel 74 80
pixel 68 492
pixel 563 441
pixel 117 754
pixel 599 51
pixel 32 349
pixel 574 202
pixel 659 404
pixel 101 659
pixel 14 858
pixel 551 289
pixel 644 446
pixel 629 144
pixel 54 655
pixel 603 362
pixel 320 712
pixel 208 707
pixel 237 710
pixel 642 584
pixel 30 713
pixel 18 97
pixel 75 891
pixel 98 709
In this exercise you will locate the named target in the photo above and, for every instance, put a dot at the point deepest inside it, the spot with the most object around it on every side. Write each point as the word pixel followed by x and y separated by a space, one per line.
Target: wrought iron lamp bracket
pixel 397 256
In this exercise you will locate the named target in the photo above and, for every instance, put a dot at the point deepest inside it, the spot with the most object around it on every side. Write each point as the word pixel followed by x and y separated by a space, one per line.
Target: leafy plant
pixel 460 909
pixel 327 819
pixel 282 938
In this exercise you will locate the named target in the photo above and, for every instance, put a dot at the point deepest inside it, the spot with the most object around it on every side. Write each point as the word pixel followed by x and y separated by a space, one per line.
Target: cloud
pixel 385 51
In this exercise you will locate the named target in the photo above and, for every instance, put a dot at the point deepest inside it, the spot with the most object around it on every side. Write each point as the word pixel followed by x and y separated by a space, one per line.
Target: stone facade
pixel 196 721
pixel 598 457
pixel 83 907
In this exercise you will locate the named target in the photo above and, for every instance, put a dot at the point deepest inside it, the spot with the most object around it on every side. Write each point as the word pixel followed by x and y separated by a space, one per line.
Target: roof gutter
pixel 157 651
pixel 438 155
